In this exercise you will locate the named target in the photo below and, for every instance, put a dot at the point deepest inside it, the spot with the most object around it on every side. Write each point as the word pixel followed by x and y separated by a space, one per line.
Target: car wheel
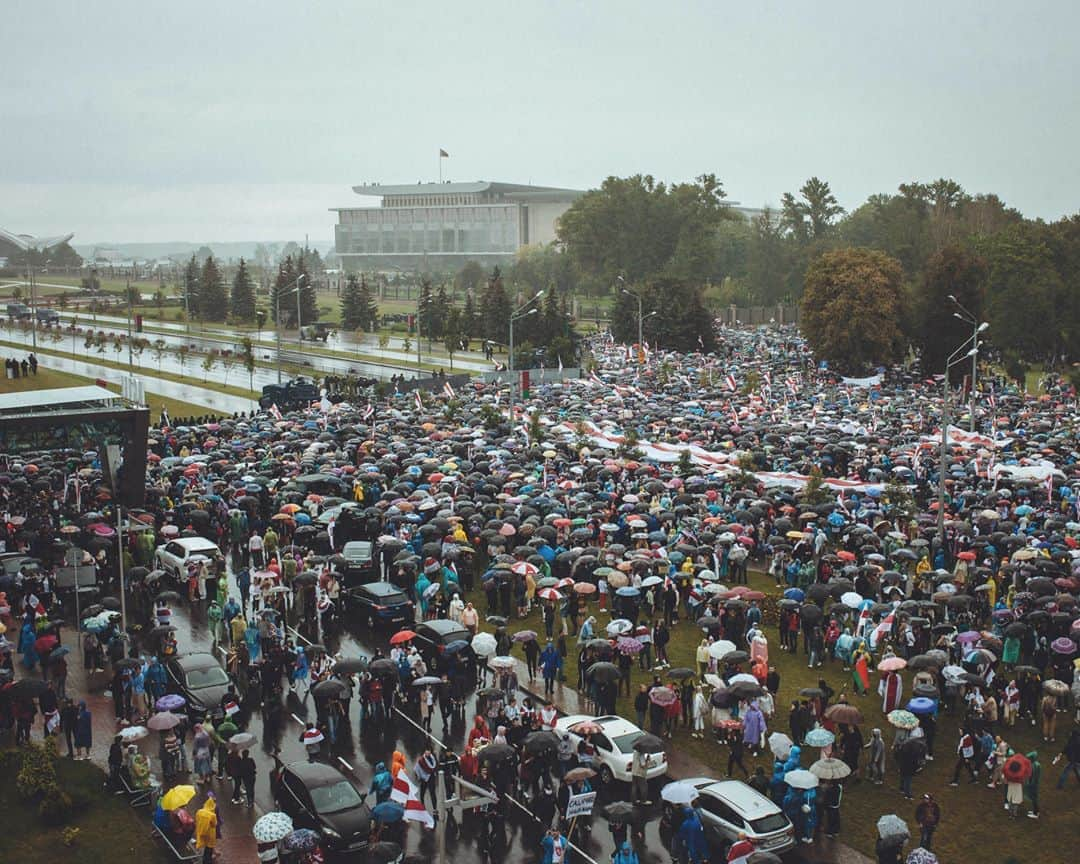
pixel 606 777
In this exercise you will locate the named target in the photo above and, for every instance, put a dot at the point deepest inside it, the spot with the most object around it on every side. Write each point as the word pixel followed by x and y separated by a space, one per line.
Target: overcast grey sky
pixel 232 120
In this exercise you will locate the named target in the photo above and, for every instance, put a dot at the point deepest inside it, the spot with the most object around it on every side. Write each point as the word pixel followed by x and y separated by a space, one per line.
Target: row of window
pixel 501 213
pixel 488 238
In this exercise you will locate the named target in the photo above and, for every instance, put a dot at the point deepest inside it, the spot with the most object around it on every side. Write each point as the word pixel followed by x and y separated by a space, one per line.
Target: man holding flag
pixel 407 794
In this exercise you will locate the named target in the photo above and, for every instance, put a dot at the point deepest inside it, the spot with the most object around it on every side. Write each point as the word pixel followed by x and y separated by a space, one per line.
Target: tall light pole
pixel 520 312
pixel 967 317
pixel 299 320
pixel 277 318
pixel 943 455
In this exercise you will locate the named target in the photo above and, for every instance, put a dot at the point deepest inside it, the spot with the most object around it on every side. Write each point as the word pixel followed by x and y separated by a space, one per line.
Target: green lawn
pixel 863 803
pixel 47 379
pixel 109 829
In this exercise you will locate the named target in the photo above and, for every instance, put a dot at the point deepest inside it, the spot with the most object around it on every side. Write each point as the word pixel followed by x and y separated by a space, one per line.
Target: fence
pixel 756 315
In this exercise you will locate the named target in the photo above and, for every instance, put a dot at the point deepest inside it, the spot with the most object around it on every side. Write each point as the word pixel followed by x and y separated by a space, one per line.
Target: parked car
pixel 360 564
pixel 376 603
pixel 319 797
pixel 47 316
pixel 175 555
pixel 730 807
pixel 432 637
pixel 19 311
pixel 614 758
pixel 199 678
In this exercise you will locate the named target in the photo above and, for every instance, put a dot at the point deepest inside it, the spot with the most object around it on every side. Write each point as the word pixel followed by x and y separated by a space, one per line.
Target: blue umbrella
pixel 922 705
pixel 388 812
pixel 795 594
pixel 301 840
pixel 628 591
pixel 455 647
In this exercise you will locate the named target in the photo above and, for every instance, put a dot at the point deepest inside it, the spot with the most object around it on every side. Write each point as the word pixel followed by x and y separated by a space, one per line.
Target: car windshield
pixel 625 743
pixel 209 676
pixel 333 799
pixel 768 824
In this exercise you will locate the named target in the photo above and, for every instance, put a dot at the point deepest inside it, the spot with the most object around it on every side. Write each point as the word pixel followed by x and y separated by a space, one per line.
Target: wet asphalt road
pixel 277 728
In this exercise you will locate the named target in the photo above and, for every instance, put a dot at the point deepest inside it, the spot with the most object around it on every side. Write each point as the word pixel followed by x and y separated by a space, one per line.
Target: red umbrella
pixel 402 636
pixel 1017 768
pixel 45 643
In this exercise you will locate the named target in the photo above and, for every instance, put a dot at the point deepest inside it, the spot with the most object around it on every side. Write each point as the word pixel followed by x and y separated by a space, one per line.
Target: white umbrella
pixel 649 581
pixel 483 644
pixel 272 827
pixel 707 576
pixel 619 627
pixel 678 793
pixel 744 677
pixel 891 826
pixel 714 588
pixel 851 599
pixel 134 733
pixel 720 649
pixel 714 681
pixel 780 745
pixel 801 779
pixel 830 769
pixel 501 662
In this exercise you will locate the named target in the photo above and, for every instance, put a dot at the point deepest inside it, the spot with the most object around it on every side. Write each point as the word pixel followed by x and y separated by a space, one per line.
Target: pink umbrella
pixel 892 664
pixel 662 696
pixel 628 645
pixel 969 636
pixel 1063 645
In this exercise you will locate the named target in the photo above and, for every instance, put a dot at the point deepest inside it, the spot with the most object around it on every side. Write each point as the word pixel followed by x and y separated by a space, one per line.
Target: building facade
pixel 440 226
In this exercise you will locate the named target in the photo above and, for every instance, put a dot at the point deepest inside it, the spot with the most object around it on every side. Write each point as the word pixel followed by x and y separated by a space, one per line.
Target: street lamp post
pixel 968 318
pixel 640 319
pixel 943 454
pixel 277 319
pixel 514 316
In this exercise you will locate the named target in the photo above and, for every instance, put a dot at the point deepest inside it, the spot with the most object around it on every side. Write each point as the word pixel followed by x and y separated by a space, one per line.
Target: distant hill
pixel 229 251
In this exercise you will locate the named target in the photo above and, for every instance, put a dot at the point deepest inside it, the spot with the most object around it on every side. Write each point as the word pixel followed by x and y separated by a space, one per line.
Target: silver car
pixel 730 807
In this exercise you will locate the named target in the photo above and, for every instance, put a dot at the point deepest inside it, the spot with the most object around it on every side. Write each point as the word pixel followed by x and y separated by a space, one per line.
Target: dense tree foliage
pixel 673 316
pixel 851 309
pixel 935 329
pixel 242 301
pixel 283 293
pixel 213 300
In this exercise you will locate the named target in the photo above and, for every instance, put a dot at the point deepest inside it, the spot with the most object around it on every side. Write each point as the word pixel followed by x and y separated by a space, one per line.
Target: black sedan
pixel 432 637
pixel 319 797
pixel 379 603
pixel 200 679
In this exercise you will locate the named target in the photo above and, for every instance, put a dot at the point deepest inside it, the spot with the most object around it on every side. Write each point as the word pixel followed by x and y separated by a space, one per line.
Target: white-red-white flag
pixel 275 412
pixel 407 794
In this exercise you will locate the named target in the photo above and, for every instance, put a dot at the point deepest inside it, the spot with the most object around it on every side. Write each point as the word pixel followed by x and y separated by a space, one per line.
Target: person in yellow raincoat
pixel 206 828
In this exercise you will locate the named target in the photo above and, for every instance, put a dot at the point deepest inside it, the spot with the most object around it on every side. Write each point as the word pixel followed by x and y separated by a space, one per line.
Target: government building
pixel 440 226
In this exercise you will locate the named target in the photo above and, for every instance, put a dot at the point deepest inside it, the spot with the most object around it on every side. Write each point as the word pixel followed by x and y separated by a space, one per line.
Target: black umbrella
pixel 541 743
pixel 625 812
pixel 604 671
pixel 496 754
pixel 167 596
pixel 811 613
pixel 648 743
pixel 382 852
pixel 383 667
pixel 29 687
pixel 350 665
pixel 329 689
pixel 681 673
pixel 735 657
pixel 745 690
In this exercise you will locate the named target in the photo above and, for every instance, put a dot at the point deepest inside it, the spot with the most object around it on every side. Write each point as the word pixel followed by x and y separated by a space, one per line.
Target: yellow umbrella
pixel 3 629
pixel 177 797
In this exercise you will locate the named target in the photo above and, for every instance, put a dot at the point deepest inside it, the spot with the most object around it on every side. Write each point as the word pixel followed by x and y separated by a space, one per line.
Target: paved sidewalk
pixel 236 843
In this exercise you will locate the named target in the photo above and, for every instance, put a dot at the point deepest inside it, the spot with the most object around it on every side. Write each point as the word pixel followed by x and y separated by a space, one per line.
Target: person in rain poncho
pixel 875 769
pixel 587 629
pixel 381 783
pixel 625 854
pixel 206 826
pixel 299 673
pixel 754 727
pixel 690 837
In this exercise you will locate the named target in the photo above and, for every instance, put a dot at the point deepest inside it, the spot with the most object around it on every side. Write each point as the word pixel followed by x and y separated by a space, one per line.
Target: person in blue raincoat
pixel 422 584
pixel 155 679
pixel 27 637
pixel 299 672
pixel 792 762
pixel 381 784
pixel 251 639
pixel 691 837
pixel 625 855
pixel 845 644
pixel 806 824
pixel 776 783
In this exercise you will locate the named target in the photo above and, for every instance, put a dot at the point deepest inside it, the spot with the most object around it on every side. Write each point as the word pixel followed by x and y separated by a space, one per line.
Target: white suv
pixel 174 556
pixel 729 807
pixel 614 745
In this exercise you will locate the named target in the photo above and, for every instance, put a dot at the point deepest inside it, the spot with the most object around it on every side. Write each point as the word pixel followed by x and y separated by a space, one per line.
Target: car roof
pixel 196 660
pixel 379 589
pixel 611 724
pixel 747 801
pixel 440 626
pixel 357 546
pixel 315 774
pixel 190 543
